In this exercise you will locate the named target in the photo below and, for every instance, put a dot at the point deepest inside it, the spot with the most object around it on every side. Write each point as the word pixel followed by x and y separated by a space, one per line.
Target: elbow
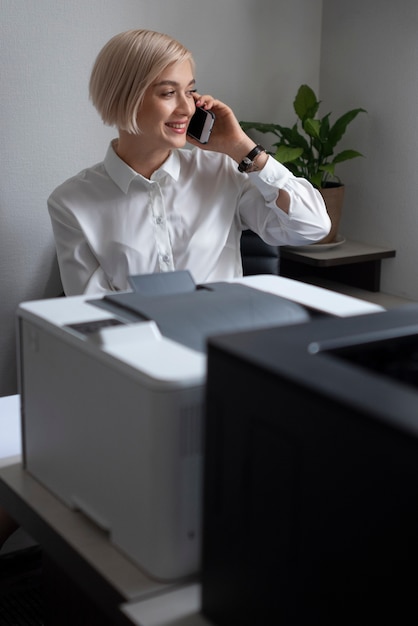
pixel 324 228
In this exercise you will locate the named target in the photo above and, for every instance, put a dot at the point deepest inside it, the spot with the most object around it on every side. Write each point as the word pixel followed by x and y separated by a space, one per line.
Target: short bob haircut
pixel 125 67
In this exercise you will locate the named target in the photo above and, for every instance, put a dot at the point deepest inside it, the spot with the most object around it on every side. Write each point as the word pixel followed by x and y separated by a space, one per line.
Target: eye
pixel 168 94
pixel 191 92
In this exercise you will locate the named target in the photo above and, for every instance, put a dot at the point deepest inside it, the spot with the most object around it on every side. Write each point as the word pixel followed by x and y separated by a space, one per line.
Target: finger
pixel 205 101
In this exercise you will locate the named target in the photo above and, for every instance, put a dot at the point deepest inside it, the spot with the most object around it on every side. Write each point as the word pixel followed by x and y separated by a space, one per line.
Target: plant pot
pixel 333 195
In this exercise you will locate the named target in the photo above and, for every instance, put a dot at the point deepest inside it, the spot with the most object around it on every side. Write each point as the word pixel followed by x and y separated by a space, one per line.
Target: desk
pixel 86 581
pixel 352 263
pixel 179 607
pixel 84 575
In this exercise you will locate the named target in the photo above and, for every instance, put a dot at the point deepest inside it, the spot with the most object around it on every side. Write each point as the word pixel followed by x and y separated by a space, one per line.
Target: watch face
pixel 245 164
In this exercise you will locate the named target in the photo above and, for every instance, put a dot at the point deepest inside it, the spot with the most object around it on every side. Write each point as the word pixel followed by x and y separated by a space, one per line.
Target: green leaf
pixel 292 137
pixel 328 167
pixel 338 129
pixel 312 127
pixel 345 155
pixel 285 154
pixel 305 103
pixel 260 127
pixel 316 179
pixel 324 127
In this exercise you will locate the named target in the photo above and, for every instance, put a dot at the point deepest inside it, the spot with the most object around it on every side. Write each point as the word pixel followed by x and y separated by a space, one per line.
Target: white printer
pixel 112 399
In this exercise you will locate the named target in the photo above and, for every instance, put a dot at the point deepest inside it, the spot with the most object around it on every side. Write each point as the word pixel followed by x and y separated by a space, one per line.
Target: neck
pixel 144 161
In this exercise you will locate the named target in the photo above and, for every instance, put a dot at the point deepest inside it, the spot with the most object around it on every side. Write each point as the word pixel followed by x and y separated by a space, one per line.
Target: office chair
pixel 258 257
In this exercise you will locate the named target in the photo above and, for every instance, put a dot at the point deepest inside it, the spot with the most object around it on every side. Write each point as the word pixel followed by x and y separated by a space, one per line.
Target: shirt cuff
pixel 271 178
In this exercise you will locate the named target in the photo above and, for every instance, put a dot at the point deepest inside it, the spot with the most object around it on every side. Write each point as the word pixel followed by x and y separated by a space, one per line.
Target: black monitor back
pixel 311 478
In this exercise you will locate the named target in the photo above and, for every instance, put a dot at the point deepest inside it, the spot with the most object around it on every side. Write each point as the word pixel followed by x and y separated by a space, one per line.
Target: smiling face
pixel 167 108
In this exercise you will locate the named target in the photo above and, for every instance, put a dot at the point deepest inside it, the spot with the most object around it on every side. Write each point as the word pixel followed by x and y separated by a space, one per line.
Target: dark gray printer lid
pixel 190 317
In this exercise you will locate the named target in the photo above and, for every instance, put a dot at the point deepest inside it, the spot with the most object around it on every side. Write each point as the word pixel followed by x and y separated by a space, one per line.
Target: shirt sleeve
pixel 307 220
pixel 79 269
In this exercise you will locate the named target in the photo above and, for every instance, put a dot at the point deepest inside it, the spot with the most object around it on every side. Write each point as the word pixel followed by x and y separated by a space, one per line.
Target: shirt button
pixel 159 220
pixel 166 258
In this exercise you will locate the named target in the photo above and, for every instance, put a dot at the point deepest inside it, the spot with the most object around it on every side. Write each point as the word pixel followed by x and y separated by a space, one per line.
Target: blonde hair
pixel 125 67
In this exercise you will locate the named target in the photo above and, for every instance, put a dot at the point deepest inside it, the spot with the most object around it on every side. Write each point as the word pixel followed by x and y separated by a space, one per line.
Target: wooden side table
pixel 352 263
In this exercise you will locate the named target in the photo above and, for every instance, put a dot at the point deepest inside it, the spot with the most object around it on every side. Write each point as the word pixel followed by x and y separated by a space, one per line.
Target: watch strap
pixel 248 161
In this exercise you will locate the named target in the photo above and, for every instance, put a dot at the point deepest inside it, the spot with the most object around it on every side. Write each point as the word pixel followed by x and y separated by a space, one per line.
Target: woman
pixel 154 206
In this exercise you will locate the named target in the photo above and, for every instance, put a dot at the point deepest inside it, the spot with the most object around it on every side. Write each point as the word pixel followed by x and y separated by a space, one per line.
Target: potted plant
pixel 308 149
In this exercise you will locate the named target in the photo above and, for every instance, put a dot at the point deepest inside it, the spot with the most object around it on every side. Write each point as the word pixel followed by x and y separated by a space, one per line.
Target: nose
pixel 186 105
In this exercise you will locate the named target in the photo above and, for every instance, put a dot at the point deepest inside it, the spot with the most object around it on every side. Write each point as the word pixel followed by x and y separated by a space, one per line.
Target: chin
pixel 177 142
pixel 181 141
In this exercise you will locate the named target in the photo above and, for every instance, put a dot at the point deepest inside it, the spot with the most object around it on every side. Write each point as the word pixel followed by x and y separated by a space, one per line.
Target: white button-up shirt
pixel 110 222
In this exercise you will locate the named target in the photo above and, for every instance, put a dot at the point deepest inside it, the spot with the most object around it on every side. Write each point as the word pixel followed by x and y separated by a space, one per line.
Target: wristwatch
pixel 248 163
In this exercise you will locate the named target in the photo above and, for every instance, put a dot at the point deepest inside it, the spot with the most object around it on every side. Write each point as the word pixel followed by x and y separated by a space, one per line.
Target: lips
pixel 177 125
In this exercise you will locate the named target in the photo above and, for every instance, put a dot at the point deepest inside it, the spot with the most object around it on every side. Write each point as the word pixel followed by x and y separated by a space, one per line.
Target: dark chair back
pixel 258 257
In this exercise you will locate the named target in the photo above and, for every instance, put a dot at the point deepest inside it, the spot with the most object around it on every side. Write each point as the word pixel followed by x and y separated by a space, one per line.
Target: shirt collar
pixel 123 175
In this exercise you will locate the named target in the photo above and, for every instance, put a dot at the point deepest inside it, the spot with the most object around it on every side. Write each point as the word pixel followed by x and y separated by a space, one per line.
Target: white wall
pixel 251 54
pixel 369 58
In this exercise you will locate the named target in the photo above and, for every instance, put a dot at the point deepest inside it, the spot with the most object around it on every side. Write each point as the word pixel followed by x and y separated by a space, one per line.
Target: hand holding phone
pixel 201 124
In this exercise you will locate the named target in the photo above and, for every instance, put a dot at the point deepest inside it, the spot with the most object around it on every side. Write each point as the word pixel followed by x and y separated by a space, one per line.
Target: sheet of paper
pixel 10 437
pixel 317 298
pixel 180 607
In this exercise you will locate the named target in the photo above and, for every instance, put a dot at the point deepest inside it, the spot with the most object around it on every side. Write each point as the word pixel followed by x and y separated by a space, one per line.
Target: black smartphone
pixel 201 125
